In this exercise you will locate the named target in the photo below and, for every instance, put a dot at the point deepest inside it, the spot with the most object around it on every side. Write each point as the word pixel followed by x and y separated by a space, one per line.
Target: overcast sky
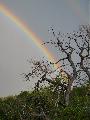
pixel 16 47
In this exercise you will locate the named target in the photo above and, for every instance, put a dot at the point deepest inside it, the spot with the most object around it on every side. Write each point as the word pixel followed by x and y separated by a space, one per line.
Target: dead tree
pixel 74 59
pixel 74 52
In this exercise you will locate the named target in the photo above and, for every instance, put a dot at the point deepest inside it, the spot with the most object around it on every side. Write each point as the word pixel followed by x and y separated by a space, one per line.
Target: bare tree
pixel 74 53
pixel 72 46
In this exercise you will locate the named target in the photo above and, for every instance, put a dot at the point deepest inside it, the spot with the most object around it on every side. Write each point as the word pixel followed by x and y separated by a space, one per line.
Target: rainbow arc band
pixel 25 29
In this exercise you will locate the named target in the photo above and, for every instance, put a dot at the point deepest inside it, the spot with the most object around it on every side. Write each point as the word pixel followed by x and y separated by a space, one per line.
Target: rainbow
pixel 21 25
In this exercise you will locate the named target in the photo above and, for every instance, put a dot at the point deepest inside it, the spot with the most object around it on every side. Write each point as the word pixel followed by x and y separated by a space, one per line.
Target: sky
pixel 89 11
pixel 16 47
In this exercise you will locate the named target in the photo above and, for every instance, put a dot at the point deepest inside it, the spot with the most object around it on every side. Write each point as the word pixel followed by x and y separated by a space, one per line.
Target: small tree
pixel 70 47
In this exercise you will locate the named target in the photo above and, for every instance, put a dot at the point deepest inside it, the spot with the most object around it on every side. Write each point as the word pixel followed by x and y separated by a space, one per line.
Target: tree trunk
pixel 68 91
pixel 67 98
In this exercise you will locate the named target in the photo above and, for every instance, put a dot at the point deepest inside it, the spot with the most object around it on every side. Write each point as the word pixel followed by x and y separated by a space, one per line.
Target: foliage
pixel 29 105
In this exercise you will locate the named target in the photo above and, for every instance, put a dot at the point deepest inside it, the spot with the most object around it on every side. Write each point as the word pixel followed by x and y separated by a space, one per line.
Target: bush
pixel 26 106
